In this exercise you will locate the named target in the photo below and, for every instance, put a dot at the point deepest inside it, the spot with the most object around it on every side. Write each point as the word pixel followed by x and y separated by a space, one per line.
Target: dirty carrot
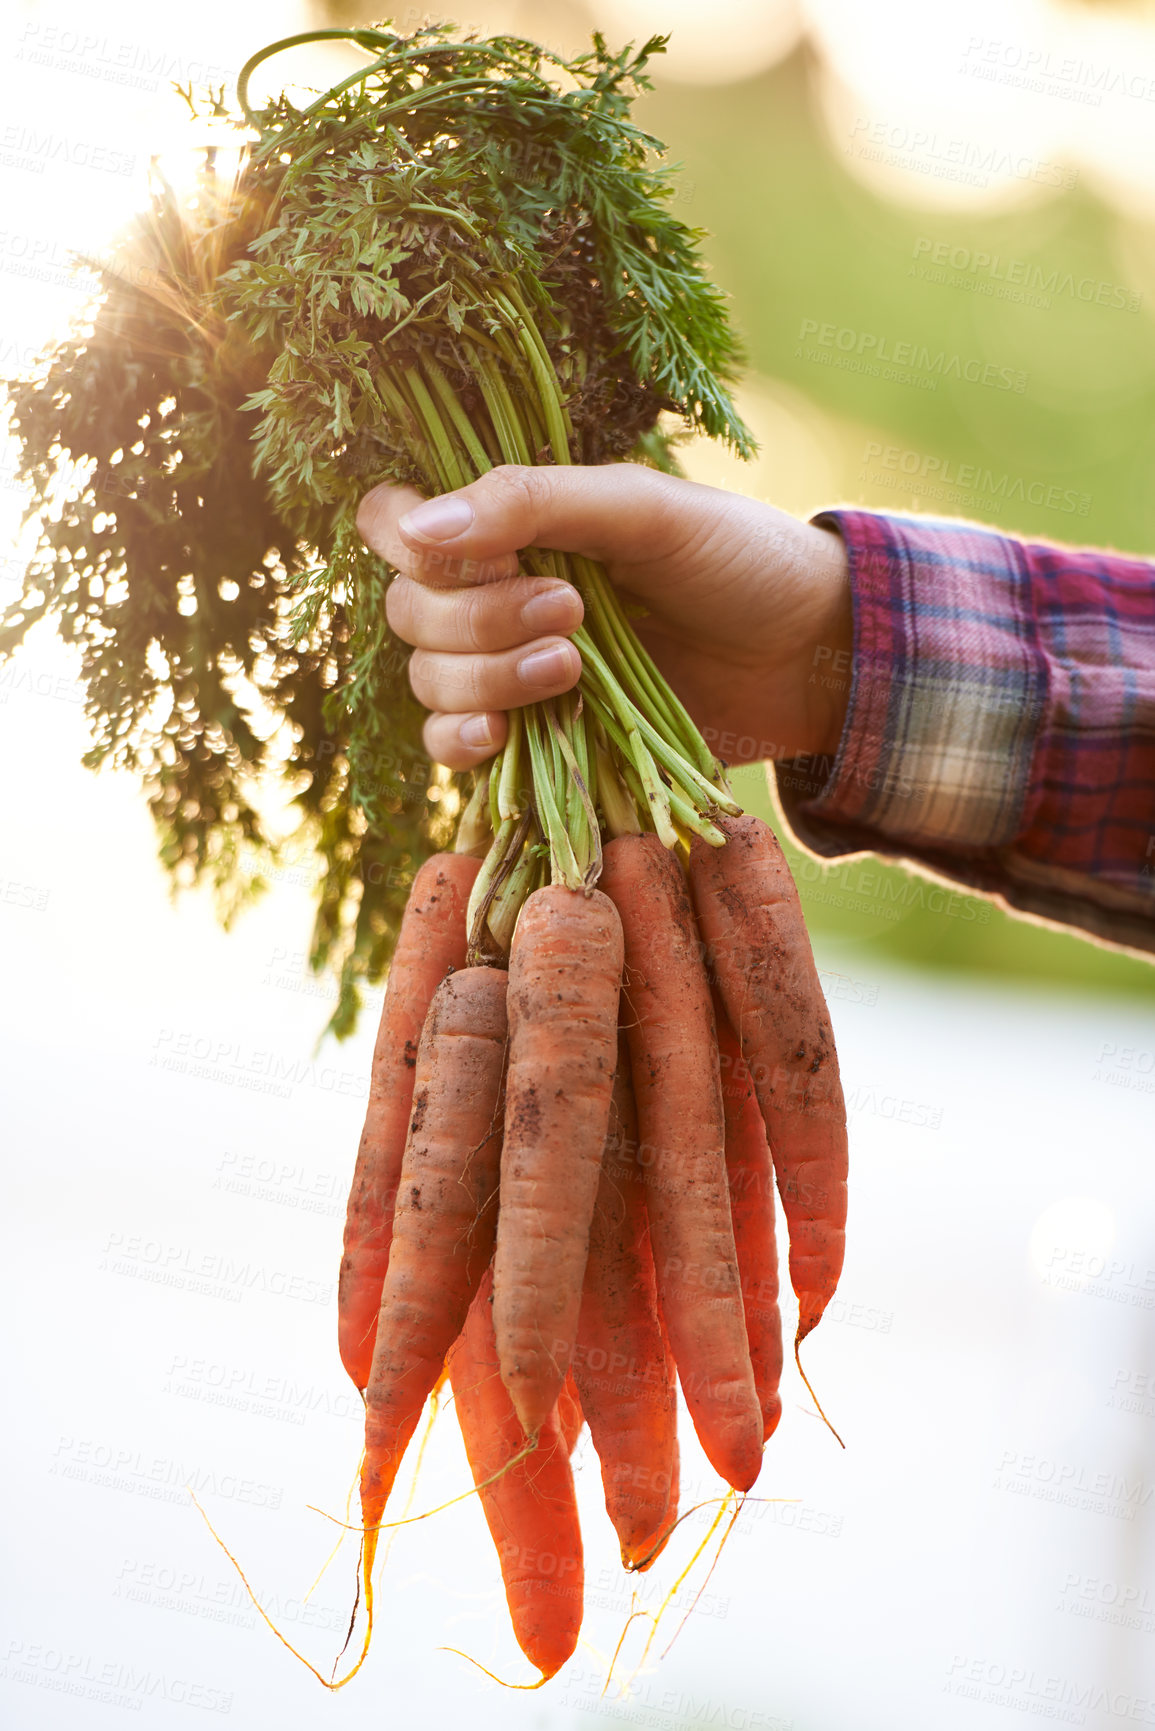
pixel 564 980
pixel 677 1086
pixel 622 1364
pixel 751 921
pixel 431 942
pixel 751 1176
pixel 570 1415
pixel 530 1508
pixel 443 1228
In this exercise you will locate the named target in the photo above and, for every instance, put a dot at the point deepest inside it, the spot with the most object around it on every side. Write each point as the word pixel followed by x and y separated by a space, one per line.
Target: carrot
pixel 530 1508
pixel 443 1228
pixel 677 1085
pixel 751 920
pixel 751 1176
pixel 622 1365
pixel 430 943
pixel 564 979
pixel 570 1416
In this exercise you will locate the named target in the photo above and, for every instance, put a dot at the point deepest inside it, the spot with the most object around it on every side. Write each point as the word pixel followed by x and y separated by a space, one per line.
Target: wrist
pixel 831 646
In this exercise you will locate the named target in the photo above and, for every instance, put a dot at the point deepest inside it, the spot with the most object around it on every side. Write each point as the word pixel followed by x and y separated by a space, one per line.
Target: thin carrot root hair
pixel 733 1502
pixel 815 1398
pixel 365 1561
pixel 426 1514
pixel 325 1682
pixel 492 1675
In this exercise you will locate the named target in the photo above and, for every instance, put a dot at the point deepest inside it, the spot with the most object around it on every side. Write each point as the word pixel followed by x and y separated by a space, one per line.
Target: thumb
pixel 615 512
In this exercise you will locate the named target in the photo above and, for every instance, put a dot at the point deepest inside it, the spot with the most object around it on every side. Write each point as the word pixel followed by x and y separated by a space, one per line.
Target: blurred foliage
pixel 793 236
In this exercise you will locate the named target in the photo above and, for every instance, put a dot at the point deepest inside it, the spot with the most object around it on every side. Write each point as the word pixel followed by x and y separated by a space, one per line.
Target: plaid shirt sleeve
pixel 1001 722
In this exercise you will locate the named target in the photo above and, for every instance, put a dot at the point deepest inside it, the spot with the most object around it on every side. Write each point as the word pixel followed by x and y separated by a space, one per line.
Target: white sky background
pixel 992 1525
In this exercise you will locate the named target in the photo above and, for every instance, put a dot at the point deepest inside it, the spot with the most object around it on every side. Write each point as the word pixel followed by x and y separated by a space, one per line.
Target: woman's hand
pixel 746 603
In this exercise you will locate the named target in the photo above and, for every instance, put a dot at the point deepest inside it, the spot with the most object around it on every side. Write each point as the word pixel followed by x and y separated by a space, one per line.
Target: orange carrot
pixel 752 924
pixel 443 1228
pixel 677 1086
pixel 622 1364
pixel 431 942
pixel 570 1416
pixel 564 979
pixel 530 1507
pixel 751 1175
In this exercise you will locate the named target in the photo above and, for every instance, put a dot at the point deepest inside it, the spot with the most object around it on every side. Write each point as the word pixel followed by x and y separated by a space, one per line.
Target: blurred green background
pixel 799 239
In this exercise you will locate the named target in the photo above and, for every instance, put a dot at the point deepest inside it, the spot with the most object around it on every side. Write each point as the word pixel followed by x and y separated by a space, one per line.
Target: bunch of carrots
pixel 603 1039
pixel 564 1194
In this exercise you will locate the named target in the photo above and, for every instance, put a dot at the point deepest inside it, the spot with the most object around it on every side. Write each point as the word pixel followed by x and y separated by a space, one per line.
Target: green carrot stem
pixel 402 412
pixel 543 374
pixel 691 818
pixel 509 897
pixel 509 795
pixel 474 831
pixel 501 412
pixel 617 635
pixel 583 821
pixel 685 772
pixel 493 868
pixel 631 717
pixel 563 862
pixel 619 810
pixel 440 439
pixel 450 402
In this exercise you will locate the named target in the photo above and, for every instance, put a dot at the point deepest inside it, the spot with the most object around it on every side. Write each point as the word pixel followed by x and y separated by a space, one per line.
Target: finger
pixel 378 517
pixel 619 511
pixel 463 741
pixel 497 616
pixel 461 683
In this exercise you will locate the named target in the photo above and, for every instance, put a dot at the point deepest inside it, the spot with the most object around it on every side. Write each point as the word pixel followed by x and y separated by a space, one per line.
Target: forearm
pixel 1000 728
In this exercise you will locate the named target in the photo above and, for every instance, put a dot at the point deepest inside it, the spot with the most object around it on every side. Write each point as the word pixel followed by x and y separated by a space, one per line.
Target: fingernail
pixel 475 730
pixel 546 666
pixel 438 519
pixel 550 609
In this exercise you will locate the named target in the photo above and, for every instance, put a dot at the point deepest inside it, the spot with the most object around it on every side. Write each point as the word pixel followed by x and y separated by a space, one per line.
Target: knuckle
pixel 420 673
pixel 515 484
pixel 399 610
pixel 472 620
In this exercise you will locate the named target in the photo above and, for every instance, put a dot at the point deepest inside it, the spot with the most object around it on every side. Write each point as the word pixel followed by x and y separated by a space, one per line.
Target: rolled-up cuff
pixel 948 691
